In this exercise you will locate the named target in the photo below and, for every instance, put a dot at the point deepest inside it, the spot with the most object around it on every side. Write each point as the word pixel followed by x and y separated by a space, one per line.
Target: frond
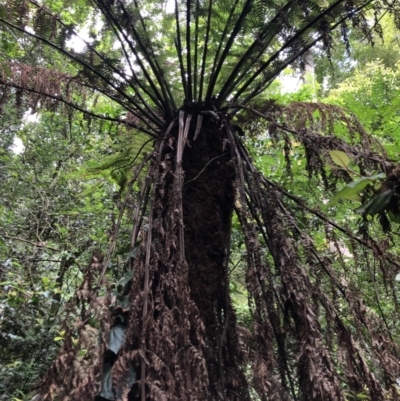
pixel 313 125
pixel 48 89
pixel 272 36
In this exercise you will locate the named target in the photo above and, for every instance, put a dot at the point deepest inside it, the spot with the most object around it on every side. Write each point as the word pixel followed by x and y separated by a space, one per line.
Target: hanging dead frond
pixel 77 370
pixel 41 88
pixel 316 324
pixel 46 88
pixel 314 126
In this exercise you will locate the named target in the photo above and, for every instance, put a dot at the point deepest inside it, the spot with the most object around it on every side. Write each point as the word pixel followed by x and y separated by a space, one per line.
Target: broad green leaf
pixel 376 204
pixel 106 388
pixel 350 190
pixel 332 167
pixel 362 396
pixel 355 198
pixel 124 280
pixel 117 334
pixel 107 391
pixel 360 184
pixel 340 158
pixel 346 191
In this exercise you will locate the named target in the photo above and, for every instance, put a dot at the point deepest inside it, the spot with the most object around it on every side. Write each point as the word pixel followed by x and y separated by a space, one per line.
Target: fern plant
pixel 182 72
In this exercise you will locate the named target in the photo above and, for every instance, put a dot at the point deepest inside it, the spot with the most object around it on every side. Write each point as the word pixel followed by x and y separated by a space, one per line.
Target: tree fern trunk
pixel 208 200
pixel 182 334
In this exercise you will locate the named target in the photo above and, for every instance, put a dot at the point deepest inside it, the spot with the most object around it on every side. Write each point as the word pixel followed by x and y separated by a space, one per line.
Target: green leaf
pixel 124 280
pixel 341 194
pixel 355 197
pixel 377 203
pixel 362 396
pixel 3 11
pixel 360 184
pixel 394 217
pixel 107 385
pixel 332 167
pixel 11 283
pixel 106 388
pixel 340 158
pixel 82 353
pixel 377 176
pixel 45 281
pixel 350 190
pixel 117 334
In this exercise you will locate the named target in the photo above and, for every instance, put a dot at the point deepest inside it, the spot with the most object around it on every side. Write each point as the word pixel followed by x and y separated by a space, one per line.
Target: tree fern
pixel 311 337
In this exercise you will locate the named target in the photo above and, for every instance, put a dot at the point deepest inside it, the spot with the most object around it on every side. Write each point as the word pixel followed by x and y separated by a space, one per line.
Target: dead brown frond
pixel 77 370
pixel 42 87
pixel 314 126
pixel 302 280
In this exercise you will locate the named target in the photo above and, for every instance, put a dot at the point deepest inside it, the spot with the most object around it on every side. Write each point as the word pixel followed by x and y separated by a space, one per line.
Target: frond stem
pixel 289 42
pixel 109 15
pixel 178 45
pixel 188 52
pixel 203 64
pixel 235 31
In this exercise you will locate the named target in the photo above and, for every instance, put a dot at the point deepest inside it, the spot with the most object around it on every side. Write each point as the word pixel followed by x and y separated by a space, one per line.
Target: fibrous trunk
pixel 182 326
